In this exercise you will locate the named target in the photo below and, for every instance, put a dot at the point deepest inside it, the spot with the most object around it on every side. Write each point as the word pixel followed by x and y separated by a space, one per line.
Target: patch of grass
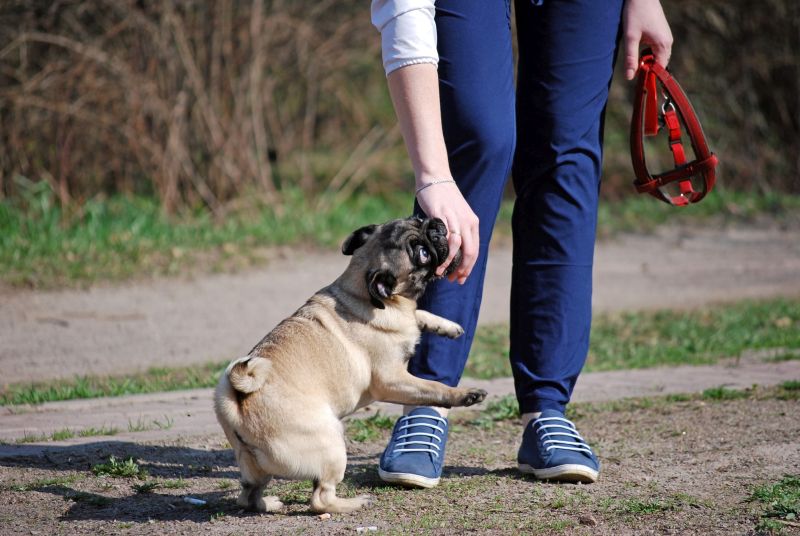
pixel 102 431
pixel 369 429
pixel 724 393
pixel 299 491
pixel 642 214
pixel 678 397
pixel 32 438
pixel 92 499
pixel 789 390
pixel 219 516
pixel 654 505
pixel 44 483
pixel 200 469
pixel 784 356
pixel 151 485
pixel 781 501
pixel 139 425
pixel 644 506
pixel 563 499
pixel 646 339
pixel 66 433
pixel 500 409
pixel 153 380
pixel 63 434
pixel 650 339
pixel 165 424
pixel 146 487
pixel 791 385
pixel 178 483
pixel 553 526
pixel 488 357
pixel 143 425
pixel 120 469
pixel 120 237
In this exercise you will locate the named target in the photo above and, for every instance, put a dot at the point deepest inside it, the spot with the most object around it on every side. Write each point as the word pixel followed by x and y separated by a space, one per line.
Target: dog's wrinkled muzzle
pixel 436 232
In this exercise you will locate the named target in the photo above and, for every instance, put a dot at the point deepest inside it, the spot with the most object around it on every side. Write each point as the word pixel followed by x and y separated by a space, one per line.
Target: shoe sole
pixel 562 473
pixel 408 479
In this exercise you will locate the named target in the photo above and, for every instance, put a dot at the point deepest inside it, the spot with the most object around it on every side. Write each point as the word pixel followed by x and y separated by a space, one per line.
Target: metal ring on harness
pixel 647 121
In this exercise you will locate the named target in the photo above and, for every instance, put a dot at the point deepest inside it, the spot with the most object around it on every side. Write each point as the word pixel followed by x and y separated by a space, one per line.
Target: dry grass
pixel 201 103
pixel 198 102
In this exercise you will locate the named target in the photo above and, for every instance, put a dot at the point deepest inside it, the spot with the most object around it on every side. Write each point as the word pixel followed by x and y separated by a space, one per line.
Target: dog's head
pixel 399 257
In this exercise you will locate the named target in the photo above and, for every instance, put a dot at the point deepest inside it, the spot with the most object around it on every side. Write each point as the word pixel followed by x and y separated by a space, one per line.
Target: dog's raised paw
pixel 456 332
pixel 450 330
pixel 474 396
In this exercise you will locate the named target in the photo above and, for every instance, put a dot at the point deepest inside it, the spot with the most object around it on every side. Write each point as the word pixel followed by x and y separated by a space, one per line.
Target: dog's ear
pixel 380 284
pixel 357 239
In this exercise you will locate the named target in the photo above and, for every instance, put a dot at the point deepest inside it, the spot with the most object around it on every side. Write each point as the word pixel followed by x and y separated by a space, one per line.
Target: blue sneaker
pixel 552 449
pixel 415 454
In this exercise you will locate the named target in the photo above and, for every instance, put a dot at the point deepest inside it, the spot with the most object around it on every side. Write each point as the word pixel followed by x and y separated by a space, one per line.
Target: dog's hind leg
pixel 254 480
pixel 324 498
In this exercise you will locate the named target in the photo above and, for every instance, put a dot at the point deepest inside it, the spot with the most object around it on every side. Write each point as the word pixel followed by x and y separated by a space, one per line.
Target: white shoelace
pixel 428 444
pixel 571 433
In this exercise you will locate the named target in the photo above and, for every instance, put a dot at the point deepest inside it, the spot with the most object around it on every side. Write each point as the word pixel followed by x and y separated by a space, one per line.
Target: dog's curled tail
pixel 245 375
pixel 248 374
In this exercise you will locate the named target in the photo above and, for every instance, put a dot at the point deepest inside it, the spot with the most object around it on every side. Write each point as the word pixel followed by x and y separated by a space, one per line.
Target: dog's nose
pixel 436 225
pixel 436 232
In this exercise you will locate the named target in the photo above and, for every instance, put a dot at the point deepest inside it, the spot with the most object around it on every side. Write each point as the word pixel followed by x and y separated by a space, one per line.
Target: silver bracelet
pixel 418 190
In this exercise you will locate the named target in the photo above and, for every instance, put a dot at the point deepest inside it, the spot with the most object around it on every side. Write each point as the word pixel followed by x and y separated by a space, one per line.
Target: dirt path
pixel 668 468
pixel 170 322
pixel 175 415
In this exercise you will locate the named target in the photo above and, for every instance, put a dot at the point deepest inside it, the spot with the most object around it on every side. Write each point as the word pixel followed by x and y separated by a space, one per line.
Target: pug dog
pixel 281 405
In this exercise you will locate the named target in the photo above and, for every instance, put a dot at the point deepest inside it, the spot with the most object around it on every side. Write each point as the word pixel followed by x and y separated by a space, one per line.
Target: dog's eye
pixel 423 255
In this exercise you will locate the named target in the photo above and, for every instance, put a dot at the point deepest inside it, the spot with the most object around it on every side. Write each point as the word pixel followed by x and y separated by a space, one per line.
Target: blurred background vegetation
pixel 208 110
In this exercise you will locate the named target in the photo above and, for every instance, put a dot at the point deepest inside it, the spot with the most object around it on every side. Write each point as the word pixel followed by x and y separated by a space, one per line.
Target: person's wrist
pixel 427 177
pixel 433 183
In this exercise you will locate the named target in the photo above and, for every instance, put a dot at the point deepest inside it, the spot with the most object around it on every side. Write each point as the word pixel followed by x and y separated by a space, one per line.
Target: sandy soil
pixel 669 468
pixel 172 322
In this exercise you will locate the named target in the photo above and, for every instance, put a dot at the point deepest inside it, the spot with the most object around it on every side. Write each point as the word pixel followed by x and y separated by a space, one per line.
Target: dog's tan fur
pixel 281 406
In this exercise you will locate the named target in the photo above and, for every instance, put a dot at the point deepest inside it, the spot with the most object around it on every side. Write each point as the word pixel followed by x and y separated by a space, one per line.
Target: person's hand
pixel 445 201
pixel 643 22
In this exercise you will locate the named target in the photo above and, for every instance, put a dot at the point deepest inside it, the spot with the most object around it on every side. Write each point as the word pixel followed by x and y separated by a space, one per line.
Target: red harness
pixel 647 120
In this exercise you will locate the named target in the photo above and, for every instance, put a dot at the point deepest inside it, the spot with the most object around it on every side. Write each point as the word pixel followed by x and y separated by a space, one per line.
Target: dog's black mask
pixel 401 256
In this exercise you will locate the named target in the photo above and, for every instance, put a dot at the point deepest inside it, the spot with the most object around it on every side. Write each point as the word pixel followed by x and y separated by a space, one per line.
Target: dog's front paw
pixel 473 396
pixel 455 332
pixel 450 330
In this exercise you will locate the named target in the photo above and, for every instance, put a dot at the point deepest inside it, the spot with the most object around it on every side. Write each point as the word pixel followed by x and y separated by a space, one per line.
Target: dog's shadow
pixel 172 463
pixel 161 466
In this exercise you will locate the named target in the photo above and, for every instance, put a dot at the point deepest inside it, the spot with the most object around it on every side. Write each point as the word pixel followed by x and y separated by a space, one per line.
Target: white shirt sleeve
pixel 408 32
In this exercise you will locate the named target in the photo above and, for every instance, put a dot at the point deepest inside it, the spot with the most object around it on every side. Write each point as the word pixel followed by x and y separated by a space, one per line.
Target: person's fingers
pixel 662 51
pixel 454 240
pixel 632 40
pixel 469 253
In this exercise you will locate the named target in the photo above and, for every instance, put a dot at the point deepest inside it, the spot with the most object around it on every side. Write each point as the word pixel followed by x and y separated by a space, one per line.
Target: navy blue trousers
pixel 549 135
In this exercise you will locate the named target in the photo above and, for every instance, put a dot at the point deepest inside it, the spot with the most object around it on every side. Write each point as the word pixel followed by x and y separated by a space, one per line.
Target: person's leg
pixel 476 83
pixel 566 56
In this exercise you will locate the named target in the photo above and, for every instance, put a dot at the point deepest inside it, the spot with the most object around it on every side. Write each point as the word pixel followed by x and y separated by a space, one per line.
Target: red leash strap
pixel 647 120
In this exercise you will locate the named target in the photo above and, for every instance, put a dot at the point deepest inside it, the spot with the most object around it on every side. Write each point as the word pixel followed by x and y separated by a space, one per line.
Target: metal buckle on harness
pixel 677 116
